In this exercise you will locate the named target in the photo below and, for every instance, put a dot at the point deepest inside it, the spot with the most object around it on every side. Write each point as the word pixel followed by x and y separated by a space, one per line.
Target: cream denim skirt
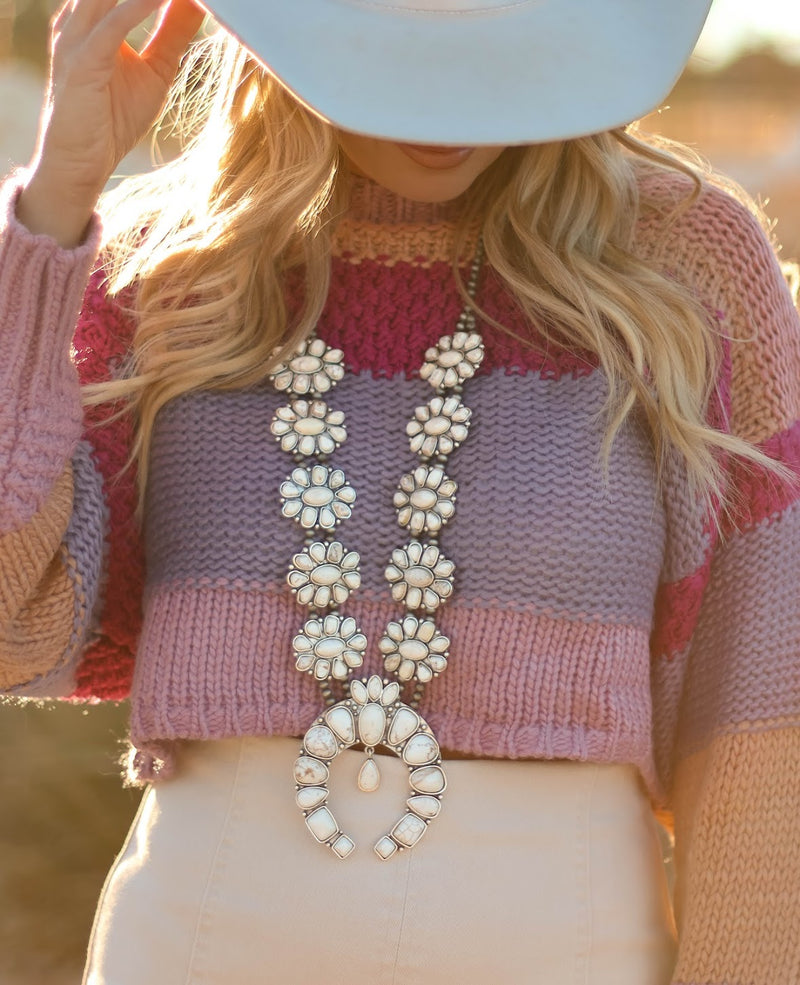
pixel 534 872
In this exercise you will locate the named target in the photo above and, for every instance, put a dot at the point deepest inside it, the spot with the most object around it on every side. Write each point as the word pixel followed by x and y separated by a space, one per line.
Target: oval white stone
pixel 408 830
pixel 437 425
pixel 309 426
pixel 428 779
pixel 450 357
pixel 308 770
pixel 421 749
pixel 424 499
pixel 342 723
pixel 317 496
pixel 374 687
pixel 309 797
pixel 404 723
pixel 325 574
pixel 329 647
pixel 413 649
pixel 306 364
pixel 425 806
pixel 320 741
pixel 322 824
pixel 419 576
pixel 371 724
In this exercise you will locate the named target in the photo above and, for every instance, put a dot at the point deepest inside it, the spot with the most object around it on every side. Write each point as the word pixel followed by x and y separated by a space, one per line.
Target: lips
pixel 436 158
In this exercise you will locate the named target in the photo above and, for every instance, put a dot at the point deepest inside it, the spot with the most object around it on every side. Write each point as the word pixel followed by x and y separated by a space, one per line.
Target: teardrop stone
pixel 369 776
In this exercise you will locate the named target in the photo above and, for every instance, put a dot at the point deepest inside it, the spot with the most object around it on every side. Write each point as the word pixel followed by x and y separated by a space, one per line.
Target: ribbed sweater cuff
pixel 41 289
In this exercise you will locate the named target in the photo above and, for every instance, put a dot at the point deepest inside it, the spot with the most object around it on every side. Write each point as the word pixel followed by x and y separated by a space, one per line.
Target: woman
pixel 562 373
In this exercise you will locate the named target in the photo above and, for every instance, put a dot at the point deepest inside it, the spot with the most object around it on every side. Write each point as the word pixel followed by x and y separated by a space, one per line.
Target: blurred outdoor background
pixel 63 813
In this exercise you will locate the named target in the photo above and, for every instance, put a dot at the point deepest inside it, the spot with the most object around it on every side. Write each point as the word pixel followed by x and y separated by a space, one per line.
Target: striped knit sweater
pixel 594 618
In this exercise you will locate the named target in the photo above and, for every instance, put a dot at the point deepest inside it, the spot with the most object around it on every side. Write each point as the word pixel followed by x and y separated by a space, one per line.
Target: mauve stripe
pixel 86 533
pixel 688 527
pixel 534 526
pixel 744 666
pixel 217 662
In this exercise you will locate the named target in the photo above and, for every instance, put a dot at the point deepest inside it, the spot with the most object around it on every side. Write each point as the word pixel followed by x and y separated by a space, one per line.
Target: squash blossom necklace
pixel 330 645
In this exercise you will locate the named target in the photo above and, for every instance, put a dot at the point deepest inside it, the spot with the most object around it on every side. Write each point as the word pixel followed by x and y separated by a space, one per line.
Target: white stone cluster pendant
pixel 330 645
pixel 373 715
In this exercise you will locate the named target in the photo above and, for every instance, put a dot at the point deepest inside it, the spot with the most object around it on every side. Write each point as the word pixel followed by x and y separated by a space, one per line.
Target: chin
pixel 422 173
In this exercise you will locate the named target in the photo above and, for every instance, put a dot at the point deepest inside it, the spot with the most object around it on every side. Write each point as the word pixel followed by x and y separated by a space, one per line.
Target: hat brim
pixel 513 73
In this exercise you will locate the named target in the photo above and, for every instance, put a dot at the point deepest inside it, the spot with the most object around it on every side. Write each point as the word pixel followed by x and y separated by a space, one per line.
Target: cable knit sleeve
pixel 727 640
pixel 54 502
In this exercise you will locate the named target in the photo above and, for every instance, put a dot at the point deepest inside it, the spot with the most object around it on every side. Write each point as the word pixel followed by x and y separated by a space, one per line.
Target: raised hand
pixel 103 97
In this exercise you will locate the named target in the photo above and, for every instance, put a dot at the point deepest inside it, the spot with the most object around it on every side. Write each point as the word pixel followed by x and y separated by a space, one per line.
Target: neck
pixel 371 202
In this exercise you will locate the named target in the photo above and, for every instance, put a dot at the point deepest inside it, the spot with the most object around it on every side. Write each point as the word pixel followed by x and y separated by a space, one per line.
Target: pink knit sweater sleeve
pixel 727 642
pixel 41 287
pixel 53 513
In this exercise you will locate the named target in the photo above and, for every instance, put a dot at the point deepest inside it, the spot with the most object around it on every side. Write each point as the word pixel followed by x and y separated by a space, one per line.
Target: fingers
pixel 178 24
pixel 112 29
pixel 102 25
pixel 78 17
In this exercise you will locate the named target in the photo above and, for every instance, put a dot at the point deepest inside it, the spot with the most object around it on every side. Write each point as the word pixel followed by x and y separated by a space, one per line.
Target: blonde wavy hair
pixel 206 242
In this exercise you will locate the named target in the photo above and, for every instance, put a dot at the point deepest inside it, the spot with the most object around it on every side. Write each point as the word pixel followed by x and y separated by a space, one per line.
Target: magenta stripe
pixel 385 316
pixel 760 495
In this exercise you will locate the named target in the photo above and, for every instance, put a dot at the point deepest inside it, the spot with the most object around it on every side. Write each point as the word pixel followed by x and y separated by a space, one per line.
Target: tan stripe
pixel 418 245
pixel 737 858
pixel 766 371
pixel 37 598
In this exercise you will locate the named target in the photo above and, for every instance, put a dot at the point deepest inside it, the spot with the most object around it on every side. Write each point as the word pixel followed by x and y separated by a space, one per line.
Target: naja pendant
pixel 373 715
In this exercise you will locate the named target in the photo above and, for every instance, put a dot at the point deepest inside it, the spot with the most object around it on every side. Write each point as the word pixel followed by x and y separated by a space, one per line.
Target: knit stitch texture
pixel 593 619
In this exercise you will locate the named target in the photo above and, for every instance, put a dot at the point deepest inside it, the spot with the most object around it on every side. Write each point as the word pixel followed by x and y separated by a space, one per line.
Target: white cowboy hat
pixel 468 72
